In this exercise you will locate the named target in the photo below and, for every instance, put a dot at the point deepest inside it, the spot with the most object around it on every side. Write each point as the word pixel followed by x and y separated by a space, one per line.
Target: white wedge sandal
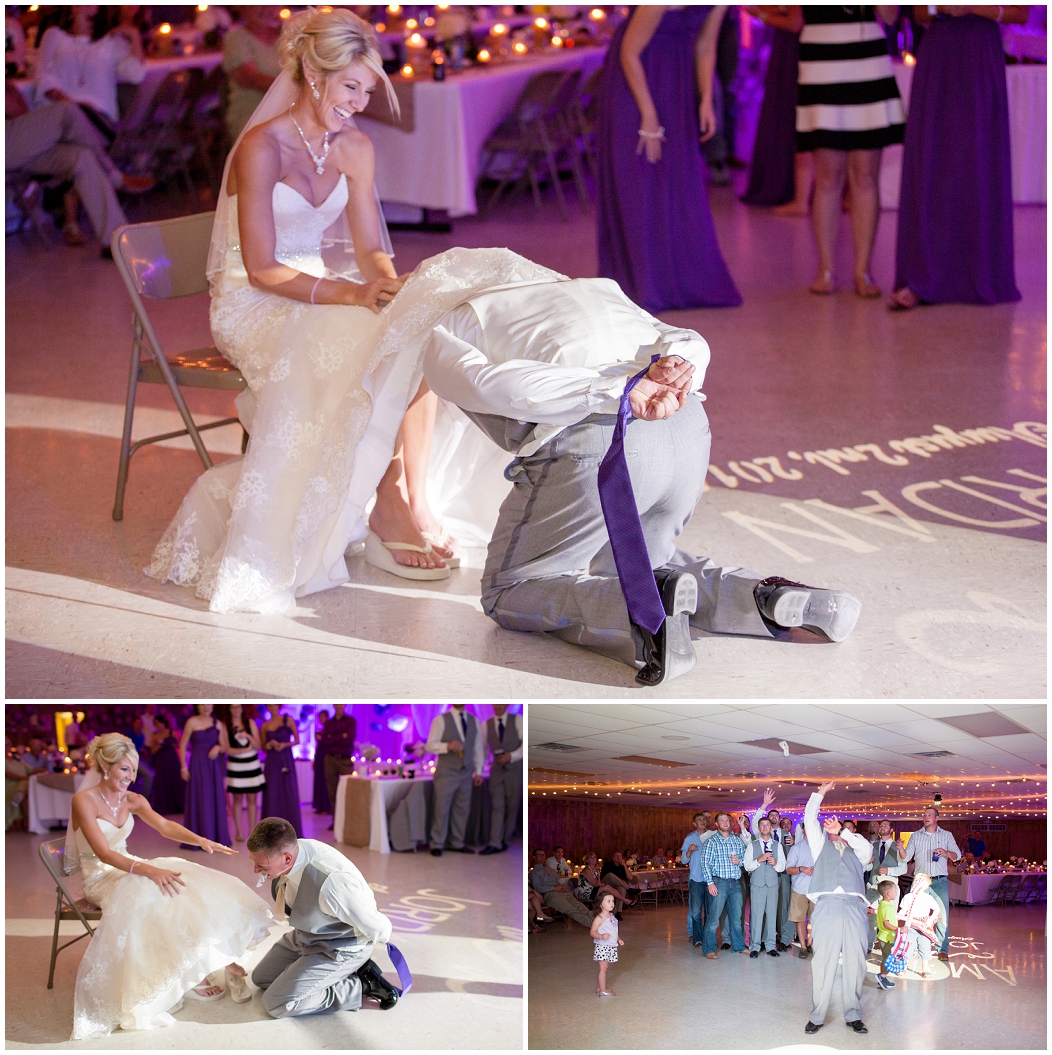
pixel 378 554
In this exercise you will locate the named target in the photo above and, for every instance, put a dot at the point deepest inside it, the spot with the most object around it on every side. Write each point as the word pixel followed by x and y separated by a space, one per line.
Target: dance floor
pixel 458 921
pixel 991 994
pixel 820 472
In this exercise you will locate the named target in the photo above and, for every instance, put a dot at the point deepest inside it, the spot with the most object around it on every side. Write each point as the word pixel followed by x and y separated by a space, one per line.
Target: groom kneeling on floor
pixel 541 368
pixel 323 964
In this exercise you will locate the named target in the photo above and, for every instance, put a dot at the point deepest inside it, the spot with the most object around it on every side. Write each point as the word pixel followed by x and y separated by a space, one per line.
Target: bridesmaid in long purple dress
pixel 169 792
pixel 206 739
pixel 656 236
pixel 321 789
pixel 281 795
pixel 955 240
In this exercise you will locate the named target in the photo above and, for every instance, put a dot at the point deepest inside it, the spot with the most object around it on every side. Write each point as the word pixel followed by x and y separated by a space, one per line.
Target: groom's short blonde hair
pixel 272 836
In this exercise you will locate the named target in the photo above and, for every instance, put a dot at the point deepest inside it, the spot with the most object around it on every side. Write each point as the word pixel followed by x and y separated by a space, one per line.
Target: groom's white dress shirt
pixel 345 894
pixel 552 353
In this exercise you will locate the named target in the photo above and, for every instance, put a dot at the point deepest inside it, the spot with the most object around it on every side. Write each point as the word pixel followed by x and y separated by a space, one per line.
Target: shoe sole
pixel 833 613
pixel 679 650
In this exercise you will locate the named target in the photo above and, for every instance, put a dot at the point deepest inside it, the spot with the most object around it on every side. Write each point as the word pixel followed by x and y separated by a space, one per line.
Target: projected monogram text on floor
pixel 420 912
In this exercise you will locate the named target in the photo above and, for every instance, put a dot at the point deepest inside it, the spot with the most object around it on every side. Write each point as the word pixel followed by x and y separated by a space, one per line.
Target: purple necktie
pixel 621 514
pixel 402 968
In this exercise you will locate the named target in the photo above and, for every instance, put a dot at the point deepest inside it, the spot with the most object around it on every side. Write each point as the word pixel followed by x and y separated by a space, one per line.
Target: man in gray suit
pixel 503 736
pixel 765 863
pixel 541 369
pixel 838 921
pixel 456 739
pixel 324 963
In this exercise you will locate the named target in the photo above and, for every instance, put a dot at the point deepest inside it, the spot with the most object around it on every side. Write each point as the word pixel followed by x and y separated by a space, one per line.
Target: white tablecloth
pixel 978 889
pixel 48 806
pixel 436 165
pixel 384 795
pixel 1027 116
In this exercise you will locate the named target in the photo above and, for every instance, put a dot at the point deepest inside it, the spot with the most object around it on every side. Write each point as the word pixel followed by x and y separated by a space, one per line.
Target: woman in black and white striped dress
pixel 848 109
pixel 244 777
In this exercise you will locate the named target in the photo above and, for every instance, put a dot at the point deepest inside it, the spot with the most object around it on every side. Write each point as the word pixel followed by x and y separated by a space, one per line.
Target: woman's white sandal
pixel 237 984
pixel 439 538
pixel 378 554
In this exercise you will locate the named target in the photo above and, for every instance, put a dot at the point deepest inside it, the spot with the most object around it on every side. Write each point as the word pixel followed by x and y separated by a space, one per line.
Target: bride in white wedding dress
pixel 307 304
pixel 166 923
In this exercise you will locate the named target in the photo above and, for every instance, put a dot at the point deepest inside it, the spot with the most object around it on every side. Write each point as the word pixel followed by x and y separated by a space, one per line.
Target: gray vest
pixel 834 870
pixel 765 874
pixel 891 859
pixel 313 927
pixel 511 740
pixel 452 763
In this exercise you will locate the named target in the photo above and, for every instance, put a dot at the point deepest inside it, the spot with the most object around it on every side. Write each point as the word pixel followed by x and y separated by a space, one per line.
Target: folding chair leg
pixel 54 945
pixel 554 171
pixel 129 414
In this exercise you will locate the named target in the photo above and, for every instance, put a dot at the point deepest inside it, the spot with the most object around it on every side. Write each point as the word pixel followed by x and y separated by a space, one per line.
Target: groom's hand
pixel 673 371
pixel 652 401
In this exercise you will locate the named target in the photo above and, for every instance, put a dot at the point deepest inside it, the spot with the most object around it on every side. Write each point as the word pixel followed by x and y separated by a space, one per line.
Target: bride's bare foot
pixel 824 284
pixel 392 522
pixel 444 544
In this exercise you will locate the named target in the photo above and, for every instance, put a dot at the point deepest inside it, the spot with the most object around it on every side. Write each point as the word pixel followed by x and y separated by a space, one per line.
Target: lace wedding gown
pixel 328 386
pixel 149 949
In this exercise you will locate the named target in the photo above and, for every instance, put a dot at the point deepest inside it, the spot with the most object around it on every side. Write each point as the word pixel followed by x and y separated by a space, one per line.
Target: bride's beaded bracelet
pixel 659 134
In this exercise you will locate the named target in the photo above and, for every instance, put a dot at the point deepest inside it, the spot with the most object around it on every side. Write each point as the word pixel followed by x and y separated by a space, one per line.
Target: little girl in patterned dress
pixel 604 931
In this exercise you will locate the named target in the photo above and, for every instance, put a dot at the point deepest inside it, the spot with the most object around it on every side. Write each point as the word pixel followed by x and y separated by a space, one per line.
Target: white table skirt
pixel 436 165
pixel 1027 116
pixel 978 889
pixel 48 806
pixel 381 793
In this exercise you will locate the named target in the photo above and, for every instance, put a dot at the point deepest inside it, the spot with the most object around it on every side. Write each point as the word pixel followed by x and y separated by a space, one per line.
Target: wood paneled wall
pixel 605 827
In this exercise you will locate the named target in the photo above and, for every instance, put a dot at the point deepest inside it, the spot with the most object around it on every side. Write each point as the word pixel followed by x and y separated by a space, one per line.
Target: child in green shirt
pixel 886 926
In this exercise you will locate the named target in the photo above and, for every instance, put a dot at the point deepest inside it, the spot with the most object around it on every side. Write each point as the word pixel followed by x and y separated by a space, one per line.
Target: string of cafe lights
pixel 989 799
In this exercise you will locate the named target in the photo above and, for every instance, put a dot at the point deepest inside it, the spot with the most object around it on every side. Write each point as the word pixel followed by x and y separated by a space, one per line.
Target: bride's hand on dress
pixel 375 295
pixel 168 881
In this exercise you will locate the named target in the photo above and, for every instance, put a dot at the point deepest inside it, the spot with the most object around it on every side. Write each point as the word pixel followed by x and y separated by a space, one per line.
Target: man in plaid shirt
pixel 721 868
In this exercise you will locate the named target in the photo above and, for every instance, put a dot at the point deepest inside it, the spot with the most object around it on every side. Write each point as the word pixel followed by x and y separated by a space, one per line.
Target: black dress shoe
pixel 754 955
pixel 436 853
pixel 489 850
pixel 785 604
pixel 669 653
pixel 773 952
pixel 503 846
pixel 462 850
pixel 781 947
pixel 812 1028
pixel 376 987
pixel 857 1026
pixel 725 945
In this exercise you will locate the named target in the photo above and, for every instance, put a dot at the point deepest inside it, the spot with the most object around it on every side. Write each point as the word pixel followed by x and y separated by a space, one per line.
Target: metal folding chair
pixel 67 906
pixel 1006 889
pixel 164 260
pixel 538 131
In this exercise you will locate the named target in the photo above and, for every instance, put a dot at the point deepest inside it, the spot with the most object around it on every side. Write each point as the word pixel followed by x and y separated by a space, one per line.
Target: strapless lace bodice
pixel 299 228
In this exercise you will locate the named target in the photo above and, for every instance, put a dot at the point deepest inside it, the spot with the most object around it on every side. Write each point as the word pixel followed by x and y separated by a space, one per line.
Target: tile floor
pixel 990 995
pixel 947 554
pixel 457 920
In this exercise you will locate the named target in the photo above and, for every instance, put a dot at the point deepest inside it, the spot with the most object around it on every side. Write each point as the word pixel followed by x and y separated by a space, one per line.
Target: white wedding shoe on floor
pixel 237 986
pixel 378 554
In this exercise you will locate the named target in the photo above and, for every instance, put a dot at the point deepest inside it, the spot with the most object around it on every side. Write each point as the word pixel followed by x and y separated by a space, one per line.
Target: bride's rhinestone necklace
pixel 113 809
pixel 319 162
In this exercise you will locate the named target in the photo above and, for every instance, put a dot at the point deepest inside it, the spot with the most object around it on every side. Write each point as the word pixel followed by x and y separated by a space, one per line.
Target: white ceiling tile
pixel 1032 717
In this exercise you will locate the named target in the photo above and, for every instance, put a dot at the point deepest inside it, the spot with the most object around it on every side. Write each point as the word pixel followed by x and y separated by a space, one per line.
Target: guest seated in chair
pixel 555 892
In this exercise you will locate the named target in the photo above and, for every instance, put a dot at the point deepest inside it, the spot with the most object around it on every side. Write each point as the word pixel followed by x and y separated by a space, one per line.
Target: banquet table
pixel 1027 116
pixel 978 889
pixel 382 813
pixel 48 804
pixel 436 165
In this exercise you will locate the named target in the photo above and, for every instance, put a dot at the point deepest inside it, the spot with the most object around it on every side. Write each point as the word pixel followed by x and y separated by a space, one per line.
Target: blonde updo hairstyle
pixel 108 749
pixel 331 41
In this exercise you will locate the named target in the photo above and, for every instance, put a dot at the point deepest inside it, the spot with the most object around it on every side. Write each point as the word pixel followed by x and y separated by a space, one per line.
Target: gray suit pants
pixel 786 930
pixel 550 567
pixel 764 901
pixel 505 791
pixel 296 981
pixel 451 808
pixel 838 926
pixel 58 140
